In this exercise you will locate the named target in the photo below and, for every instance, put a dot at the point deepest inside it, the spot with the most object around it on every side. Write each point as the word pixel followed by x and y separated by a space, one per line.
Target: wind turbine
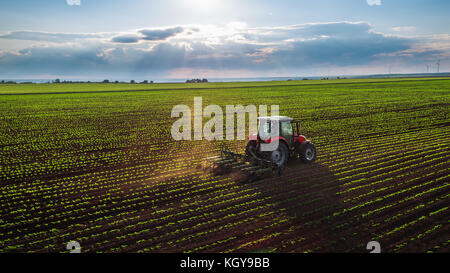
pixel 438 64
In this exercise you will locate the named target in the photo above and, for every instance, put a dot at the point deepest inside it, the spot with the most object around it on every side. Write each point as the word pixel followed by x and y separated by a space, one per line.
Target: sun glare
pixel 202 5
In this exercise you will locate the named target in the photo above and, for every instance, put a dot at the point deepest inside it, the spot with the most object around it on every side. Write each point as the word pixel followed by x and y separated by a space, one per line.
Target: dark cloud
pixel 163 56
pixel 53 60
pixel 126 39
pixel 340 50
pixel 160 34
pixel 150 35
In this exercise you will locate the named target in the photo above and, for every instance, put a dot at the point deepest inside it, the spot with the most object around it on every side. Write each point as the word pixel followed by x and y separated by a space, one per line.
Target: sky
pixel 144 39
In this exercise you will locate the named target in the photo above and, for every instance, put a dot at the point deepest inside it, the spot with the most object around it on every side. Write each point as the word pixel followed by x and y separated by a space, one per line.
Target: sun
pixel 203 5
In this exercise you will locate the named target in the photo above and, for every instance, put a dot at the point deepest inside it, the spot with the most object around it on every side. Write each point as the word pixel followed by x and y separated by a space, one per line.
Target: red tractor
pixel 277 141
pixel 290 143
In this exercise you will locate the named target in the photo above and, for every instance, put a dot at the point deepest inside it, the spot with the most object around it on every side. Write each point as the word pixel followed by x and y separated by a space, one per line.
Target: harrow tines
pixel 252 166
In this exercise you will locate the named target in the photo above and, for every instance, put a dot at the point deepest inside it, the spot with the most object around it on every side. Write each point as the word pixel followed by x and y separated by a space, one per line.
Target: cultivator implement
pixel 247 168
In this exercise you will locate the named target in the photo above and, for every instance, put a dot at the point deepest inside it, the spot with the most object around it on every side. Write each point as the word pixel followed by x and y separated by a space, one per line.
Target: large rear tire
pixel 279 156
pixel 308 153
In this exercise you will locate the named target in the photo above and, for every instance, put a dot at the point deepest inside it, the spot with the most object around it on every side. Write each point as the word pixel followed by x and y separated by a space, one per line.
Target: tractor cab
pixel 288 130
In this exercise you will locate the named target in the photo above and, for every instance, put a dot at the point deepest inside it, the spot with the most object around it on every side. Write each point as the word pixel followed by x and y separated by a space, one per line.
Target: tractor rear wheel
pixel 308 153
pixel 278 156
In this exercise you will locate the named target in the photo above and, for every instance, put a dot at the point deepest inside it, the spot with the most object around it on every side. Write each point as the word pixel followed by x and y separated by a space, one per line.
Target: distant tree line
pixel 142 82
pixel 132 81
pixel 337 78
pixel 7 82
pixel 60 81
pixel 196 80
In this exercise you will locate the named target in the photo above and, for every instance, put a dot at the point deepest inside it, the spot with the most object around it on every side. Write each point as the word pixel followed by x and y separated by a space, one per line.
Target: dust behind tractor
pixel 259 160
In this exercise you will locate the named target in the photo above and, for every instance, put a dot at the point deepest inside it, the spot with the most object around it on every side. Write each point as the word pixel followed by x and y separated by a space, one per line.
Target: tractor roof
pixel 280 118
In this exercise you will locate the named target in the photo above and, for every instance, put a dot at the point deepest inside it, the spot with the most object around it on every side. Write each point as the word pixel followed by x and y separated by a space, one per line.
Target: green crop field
pixel 96 163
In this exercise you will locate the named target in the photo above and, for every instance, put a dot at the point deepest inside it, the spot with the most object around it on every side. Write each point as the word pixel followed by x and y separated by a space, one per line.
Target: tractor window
pixel 286 129
pixel 265 129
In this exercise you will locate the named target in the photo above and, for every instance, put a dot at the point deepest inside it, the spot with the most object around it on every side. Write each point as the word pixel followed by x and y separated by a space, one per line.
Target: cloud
pixel 152 35
pixel 404 29
pixel 73 2
pixel 292 49
pixel 46 36
pixel 126 39
pixel 160 34
pixel 374 2
pixel 51 59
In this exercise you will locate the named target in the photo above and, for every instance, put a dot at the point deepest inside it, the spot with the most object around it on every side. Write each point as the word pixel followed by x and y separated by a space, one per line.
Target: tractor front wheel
pixel 308 153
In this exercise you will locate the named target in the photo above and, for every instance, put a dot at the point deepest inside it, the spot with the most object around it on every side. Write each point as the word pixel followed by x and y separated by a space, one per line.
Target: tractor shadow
pixel 306 194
